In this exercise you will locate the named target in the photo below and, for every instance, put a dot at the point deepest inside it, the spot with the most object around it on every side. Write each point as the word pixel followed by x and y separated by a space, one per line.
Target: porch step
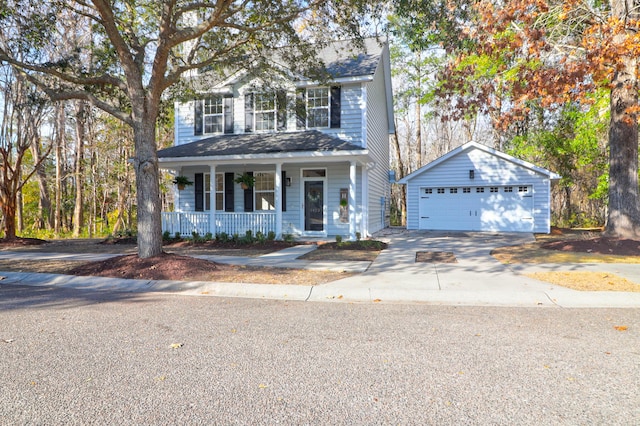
pixel 290 253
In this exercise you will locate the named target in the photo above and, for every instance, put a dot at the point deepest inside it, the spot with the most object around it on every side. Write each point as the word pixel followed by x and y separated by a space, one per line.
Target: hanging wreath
pixel 313 196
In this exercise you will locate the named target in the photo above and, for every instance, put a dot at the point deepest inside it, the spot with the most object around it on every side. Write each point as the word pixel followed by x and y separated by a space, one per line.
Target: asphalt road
pixel 83 357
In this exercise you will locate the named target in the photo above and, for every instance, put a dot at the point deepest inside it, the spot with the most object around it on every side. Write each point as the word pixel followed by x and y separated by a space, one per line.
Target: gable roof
pixel 474 145
pixel 342 60
pixel 252 144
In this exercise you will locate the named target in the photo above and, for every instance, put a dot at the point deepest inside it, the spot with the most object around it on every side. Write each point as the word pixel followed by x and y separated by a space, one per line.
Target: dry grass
pixel 587 281
pixel 532 253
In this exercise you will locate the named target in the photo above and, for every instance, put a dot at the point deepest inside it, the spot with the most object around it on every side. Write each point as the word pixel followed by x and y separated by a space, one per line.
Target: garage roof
pixel 474 145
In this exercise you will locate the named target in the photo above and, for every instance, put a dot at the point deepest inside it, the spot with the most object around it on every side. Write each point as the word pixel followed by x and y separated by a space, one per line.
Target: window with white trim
pixel 264 191
pixel 493 189
pixel 466 190
pixel 318 107
pixel 440 190
pixel 213 115
pixel 265 112
pixel 428 190
pixel 453 190
pixel 219 189
pixel 523 189
pixel 508 189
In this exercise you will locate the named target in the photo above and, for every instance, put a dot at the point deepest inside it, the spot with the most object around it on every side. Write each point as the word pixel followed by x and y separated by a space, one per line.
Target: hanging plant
pixel 245 180
pixel 181 182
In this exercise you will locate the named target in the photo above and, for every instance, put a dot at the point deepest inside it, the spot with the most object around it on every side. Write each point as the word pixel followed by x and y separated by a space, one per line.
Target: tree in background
pixel 423 130
pixel 135 51
pixel 507 60
pixel 23 109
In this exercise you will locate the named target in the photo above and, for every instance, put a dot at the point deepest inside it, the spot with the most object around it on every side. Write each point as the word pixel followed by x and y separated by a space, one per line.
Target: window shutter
pixel 335 107
pixel 228 114
pixel 248 112
pixel 197 117
pixel 283 184
pixel 281 101
pixel 198 185
pixel 228 192
pixel 301 109
pixel 248 197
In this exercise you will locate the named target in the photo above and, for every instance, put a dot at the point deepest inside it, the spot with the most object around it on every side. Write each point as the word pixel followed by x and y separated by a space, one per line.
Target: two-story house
pixel 317 153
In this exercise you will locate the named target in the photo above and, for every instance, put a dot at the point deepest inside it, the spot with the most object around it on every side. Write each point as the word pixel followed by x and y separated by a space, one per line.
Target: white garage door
pixel 481 208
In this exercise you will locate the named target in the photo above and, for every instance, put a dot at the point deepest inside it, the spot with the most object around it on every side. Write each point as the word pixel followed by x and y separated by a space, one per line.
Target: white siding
pixel 488 170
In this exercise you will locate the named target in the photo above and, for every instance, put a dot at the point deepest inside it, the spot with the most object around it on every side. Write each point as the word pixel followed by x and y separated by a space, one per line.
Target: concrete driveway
pixel 476 278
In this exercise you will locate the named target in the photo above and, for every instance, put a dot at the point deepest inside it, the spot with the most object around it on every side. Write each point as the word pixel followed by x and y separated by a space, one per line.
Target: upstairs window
pixel 265 112
pixel 213 115
pixel 318 107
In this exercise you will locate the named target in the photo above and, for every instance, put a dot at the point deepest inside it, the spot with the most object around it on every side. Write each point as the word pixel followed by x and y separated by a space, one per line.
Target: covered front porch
pixel 305 185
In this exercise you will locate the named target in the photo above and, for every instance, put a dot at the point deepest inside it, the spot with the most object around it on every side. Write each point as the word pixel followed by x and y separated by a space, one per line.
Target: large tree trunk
pixel 624 210
pixel 9 213
pixel 147 187
pixel 60 129
pixel 81 112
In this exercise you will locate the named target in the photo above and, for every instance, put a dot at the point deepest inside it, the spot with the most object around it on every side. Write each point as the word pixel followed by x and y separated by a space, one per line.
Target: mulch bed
pixel 21 242
pixel 599 245
pixel 368 245
pixel 166 266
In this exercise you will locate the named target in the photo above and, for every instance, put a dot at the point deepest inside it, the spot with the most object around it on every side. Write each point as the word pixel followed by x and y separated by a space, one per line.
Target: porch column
pixel 352 200
pixel 278 200
pixel 212 199
pixel 364 223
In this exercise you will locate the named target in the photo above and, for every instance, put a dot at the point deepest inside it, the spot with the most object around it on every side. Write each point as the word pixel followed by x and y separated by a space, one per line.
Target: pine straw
pixel 587 281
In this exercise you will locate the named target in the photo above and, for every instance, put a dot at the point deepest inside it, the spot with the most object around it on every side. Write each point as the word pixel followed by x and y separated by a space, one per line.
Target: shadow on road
pixel 28 297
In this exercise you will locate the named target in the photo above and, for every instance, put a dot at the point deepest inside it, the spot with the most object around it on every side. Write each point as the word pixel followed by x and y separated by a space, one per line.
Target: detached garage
pixel 477 188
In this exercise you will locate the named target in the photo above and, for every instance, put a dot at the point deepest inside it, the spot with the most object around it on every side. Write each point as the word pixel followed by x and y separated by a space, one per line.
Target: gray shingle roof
pixel 259 143
pixel 344 59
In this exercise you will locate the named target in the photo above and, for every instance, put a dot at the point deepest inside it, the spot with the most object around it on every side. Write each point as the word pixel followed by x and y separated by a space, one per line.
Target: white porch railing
pixel 229 223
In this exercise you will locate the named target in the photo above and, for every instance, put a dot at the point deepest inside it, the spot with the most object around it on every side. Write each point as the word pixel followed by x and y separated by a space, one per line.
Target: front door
pixel 314 205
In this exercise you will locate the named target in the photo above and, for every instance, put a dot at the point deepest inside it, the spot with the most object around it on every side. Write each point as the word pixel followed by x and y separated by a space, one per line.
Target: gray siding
pixel 377 134
pixel 488 170
pixel 350 122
